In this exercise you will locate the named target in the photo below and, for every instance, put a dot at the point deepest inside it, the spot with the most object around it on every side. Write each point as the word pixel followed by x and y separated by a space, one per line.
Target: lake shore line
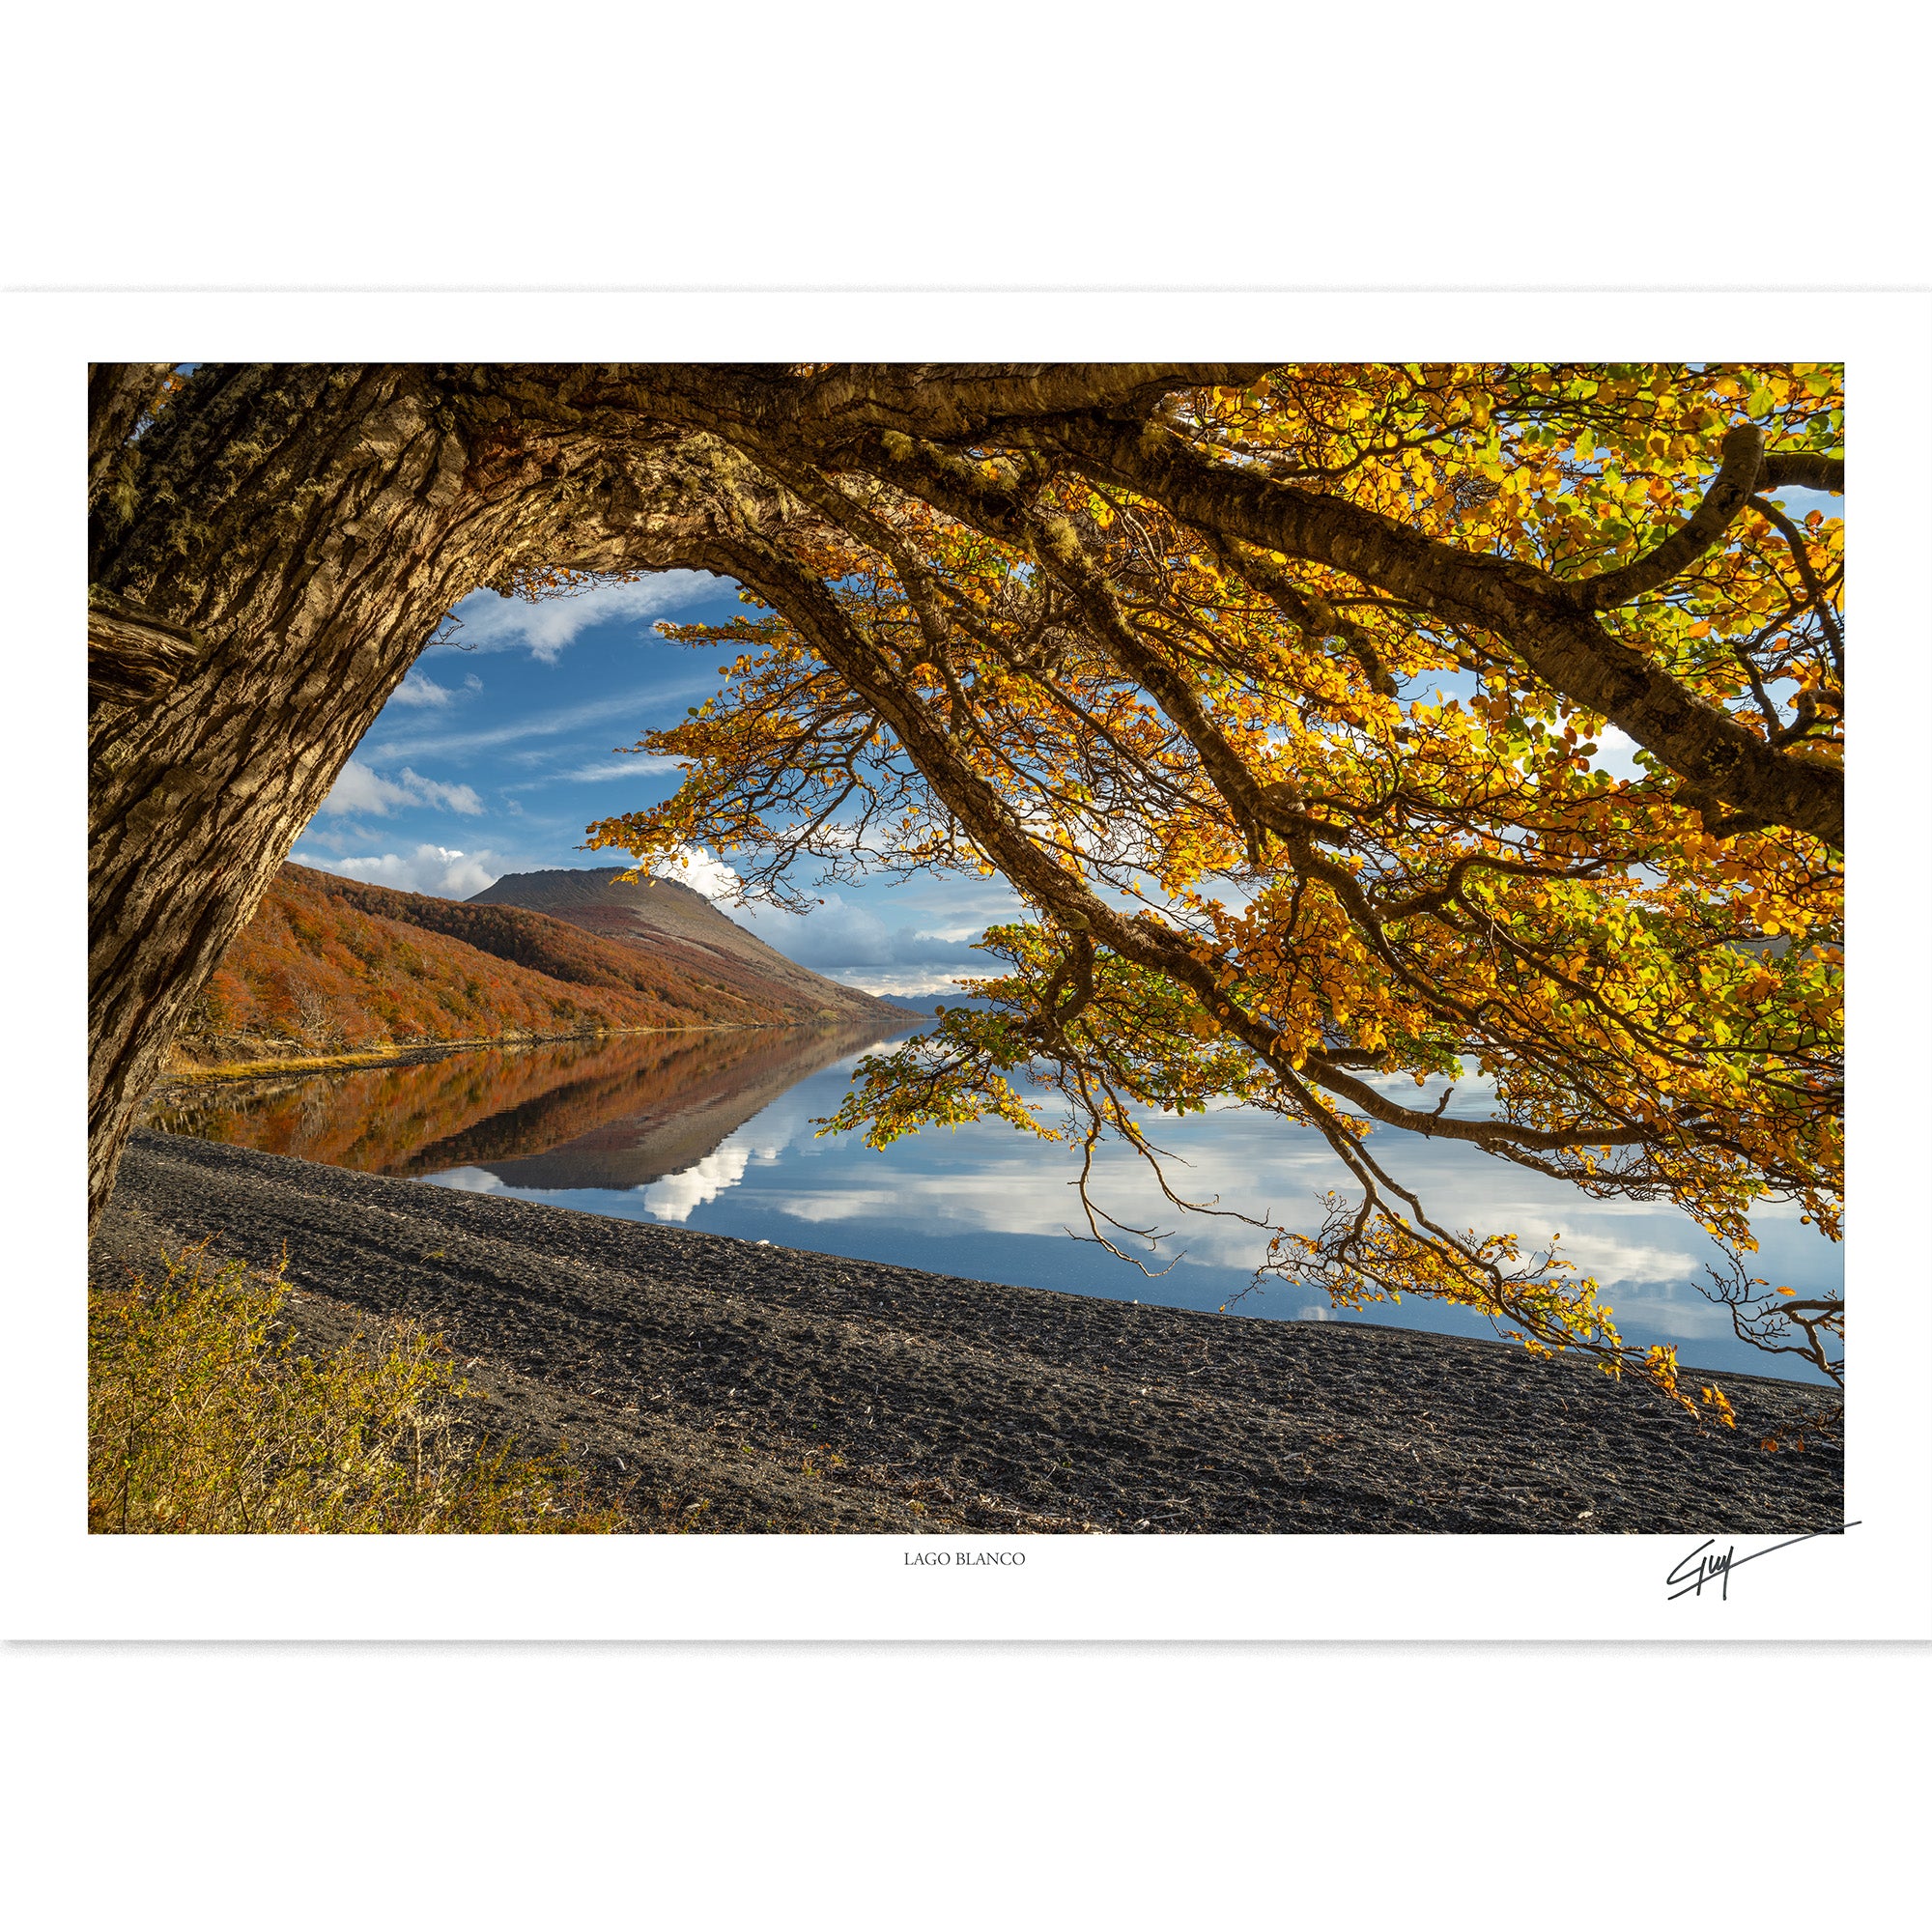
pixel 718 1385
pixel 187 1075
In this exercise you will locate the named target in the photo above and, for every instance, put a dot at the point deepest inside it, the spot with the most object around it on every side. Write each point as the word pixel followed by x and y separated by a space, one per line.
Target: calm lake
pixel 715 1131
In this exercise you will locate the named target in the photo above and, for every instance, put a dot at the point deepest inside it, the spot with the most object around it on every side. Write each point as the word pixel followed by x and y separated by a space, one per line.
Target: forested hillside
pixel 329 966
pixel 706 971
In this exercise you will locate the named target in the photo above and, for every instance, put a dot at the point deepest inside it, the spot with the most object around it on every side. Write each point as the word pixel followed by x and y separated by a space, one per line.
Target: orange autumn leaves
pixel 1353 840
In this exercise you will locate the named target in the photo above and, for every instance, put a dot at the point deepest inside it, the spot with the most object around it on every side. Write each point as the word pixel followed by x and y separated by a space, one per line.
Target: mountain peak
pixel 659 915
pixel 580 885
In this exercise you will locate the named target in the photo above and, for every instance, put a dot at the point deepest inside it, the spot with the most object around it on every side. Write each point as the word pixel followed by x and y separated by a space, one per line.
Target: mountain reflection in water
pixel 715 1130
pixel 616 1112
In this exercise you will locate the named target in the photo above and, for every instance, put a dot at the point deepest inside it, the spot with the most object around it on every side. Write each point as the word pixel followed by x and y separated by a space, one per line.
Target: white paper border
pixel 1875 1581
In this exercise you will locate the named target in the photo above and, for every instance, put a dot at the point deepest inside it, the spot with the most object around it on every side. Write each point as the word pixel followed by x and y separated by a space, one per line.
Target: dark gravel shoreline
pixel 716 1384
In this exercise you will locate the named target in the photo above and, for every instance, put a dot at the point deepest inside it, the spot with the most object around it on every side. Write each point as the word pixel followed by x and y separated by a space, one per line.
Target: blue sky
pixel 499 749
pixel 493 758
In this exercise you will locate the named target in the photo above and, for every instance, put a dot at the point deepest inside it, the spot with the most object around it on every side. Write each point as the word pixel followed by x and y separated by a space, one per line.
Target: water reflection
pixel 714 1130
pixel 616 1112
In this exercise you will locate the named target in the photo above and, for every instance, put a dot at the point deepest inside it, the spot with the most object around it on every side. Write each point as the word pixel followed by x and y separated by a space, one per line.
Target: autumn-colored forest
pixel 331 966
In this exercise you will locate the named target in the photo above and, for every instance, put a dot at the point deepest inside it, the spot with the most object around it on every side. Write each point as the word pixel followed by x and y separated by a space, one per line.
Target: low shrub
pixel 204 1419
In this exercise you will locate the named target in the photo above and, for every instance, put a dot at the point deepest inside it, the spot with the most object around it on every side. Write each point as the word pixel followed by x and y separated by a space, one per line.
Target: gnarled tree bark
pixel 266 567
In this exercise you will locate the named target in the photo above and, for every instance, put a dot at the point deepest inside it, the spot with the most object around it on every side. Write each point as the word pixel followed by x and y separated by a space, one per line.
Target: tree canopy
pixel 1177 672
pixel 1281 696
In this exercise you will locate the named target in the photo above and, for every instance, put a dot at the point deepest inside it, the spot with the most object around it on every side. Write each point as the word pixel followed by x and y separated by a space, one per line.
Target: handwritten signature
pixel 1697 1569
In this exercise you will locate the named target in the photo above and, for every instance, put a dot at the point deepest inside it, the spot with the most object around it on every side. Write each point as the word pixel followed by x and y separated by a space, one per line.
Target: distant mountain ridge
pixel 665 918
pixel 331 966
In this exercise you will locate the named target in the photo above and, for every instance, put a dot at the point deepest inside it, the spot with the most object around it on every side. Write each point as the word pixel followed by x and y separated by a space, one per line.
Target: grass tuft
pixel 203 1419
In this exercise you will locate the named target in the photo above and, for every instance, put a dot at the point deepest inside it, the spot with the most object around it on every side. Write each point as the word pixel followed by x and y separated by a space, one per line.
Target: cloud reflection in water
pixel 983 1201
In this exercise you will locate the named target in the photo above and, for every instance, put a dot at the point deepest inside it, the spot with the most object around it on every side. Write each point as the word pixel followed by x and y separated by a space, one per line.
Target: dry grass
pixel 186 1072
pixel 203 1419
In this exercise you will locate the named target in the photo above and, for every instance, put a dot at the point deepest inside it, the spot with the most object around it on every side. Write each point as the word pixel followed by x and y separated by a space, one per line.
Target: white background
pixel 1535 1780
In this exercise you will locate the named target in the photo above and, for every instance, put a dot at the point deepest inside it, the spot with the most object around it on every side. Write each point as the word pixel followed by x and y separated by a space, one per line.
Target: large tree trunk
pixel 265 563
pixel 229 686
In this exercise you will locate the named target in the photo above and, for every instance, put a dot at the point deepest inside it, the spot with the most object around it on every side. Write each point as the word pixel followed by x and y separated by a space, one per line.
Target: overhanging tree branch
pixel 1535 614
pixel 823 411
pixel 1802 469
pixel 811 607
pixel 1794 540
pixel 1730 489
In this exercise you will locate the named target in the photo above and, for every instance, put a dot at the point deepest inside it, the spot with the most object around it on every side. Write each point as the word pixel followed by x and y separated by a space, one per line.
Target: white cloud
pixel 338 838
pixel 837 935
pixel 493 623
pixel 360 788
pixel 467 1180
pixel 416 690
pixel 673 1198
pixel 435 870
pixel 1612 1260
pixel 621 768
pixel 698 868
pixel 1667 1315
pixel 450 797
pixel 841 1204
pixel 1616 753
pixel 919 983
pixel 544 723
pixel 641 766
